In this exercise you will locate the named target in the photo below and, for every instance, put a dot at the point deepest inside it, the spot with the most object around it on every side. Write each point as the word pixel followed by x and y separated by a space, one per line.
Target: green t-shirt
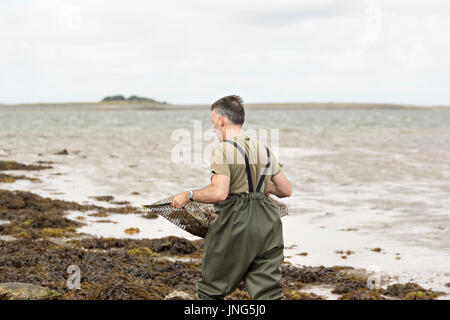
pixel 227 159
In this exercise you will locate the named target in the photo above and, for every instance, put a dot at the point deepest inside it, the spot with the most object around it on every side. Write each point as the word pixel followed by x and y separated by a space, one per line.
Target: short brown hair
pixel 231 107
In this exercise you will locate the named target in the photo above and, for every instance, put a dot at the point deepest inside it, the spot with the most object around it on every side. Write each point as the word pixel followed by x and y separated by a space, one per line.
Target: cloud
pixel 195 51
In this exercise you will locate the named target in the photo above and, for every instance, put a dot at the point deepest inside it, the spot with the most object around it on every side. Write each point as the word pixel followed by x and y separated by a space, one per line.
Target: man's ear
pixel 221 121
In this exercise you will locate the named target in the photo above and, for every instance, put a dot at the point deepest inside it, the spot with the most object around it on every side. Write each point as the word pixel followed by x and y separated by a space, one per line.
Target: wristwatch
pixel 191 195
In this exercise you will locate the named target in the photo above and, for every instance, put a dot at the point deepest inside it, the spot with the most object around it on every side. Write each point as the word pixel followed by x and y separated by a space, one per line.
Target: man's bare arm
pixel 212 193
pixel 216 191
pixel 280 186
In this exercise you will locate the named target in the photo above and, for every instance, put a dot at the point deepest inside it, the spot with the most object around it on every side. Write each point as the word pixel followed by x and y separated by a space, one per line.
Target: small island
pixel 121 98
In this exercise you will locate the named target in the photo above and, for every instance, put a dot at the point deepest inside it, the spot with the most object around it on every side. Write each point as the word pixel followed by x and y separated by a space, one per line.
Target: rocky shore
pixel 38 244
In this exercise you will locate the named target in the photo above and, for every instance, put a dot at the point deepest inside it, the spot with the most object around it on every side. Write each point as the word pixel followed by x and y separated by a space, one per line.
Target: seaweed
pixel 13 165
pixel 115 274
pixel 349 286
pixel 121 202
pixel 411 291
pixel 6 178
pixel 103 198
pixel 293 295
pixel 167 245
pixel 128 269
pixel 143 252
pixel 362 294
pixel 29 214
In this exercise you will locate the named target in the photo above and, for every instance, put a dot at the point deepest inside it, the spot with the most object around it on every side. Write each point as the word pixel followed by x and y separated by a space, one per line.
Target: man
pixel 245 241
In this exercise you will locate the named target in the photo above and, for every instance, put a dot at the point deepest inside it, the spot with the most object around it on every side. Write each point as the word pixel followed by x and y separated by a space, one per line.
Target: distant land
pixel 120 98
pixel 120 102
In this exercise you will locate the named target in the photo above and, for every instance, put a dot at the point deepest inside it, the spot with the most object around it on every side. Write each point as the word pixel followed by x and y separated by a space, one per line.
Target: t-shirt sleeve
pixel 219 162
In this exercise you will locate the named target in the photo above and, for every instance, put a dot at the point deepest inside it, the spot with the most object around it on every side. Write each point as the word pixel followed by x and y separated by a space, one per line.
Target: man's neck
pixel 233 132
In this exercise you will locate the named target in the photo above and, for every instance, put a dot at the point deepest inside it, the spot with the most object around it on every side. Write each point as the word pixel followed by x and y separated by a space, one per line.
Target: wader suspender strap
pixel 247 167
pixel 263 176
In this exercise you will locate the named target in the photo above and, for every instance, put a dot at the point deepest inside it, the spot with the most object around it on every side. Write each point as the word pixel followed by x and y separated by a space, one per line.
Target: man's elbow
pixel 221 195
pixel 286 192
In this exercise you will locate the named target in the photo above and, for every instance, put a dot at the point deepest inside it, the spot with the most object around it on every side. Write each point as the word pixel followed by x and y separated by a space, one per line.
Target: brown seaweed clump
pixel 13 165
pixel 411 291
pixel 122 210
pixel 103 198
pixel 172 246
pixel 362 294
pixel 347 281
pixel 319 274
pixel 349 286
pixel 121 203
pixel 143 252
pixel 32 216
pixel 29 214
pixel 292 295
pixel 6 178
pixel 111 274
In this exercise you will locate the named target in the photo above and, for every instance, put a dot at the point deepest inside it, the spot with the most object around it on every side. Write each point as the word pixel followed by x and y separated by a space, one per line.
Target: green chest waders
pixel 245 242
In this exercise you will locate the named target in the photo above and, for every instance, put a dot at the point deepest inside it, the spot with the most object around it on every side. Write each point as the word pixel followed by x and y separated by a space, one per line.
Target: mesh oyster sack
pixel 195 217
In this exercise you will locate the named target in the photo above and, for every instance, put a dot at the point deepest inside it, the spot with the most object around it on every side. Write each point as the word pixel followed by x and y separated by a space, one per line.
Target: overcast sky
pixel 193 51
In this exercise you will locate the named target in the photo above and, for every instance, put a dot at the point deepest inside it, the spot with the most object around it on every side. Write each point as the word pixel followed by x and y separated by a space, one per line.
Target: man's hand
pixel 180 200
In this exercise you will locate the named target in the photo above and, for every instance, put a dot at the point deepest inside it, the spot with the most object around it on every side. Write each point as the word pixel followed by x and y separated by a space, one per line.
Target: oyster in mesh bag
pixel 195 217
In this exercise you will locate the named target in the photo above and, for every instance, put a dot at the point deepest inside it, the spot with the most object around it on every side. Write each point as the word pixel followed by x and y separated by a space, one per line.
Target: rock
pixel 103 198
pixel 63 152
pixel 178 295
pixel 26 291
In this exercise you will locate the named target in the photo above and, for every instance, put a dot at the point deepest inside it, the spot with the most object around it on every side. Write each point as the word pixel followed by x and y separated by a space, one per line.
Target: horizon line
pixel 207 104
